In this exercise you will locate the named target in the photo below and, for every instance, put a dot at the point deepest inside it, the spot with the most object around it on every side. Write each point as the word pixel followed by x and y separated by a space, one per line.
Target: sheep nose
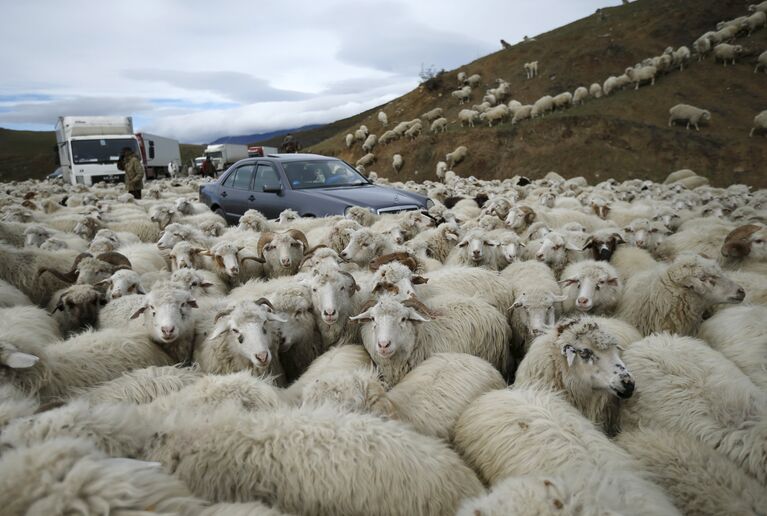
pixel 628 388
pixel 640 244
pixel 329 313
pixel 583 301
pixel 235 270
pixel 344 254
pixel 285 262
pixel 741 294
pixel 539 257
pixel 167 331
pixel 384 344
pixel 263 358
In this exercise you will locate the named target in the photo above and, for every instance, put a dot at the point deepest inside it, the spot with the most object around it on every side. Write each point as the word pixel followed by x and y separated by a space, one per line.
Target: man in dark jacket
pixel 134 172
pixel 208 168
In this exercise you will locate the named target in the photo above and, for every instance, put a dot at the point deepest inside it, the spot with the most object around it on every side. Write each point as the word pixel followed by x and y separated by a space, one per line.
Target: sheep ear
pixel 19 360
pixel 363 317
pixel 463 244
pixel 218 331
pixel 612 281
pixel 138 312
pixel 572 247
pixel 140 290
pixel 557 298
pixel 416 316
pixel 192 303
pixel 276 318
pixel 103 283
pixel 567 282
pixel 451 236
pixel 419 280
pixel 569 352
pixel 520 244
pixel 589 243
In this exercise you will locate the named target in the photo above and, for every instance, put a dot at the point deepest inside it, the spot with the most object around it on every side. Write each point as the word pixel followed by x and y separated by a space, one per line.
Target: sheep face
pixel 184 206
pixel 167 312
pixel 122 283
pixel 184 256
pixel 250 332
pixel 225 256
pixel 638 234
pixel 364 245
pixel 553 250
pixel 389 327
pixel 595 289
pixel 396 279
pixel 593 360
pixel 287 216
pixel 704 277
pixel 520 217
pixel 299 325
pixel 170 236
pixel 536 311
pixel 668 218
pixel 477 247
pixel 35 236
pixel 284 253
pixel 510 247
pixel 746 241
pixel 253 220
pixel 162 215
pixel 332 293
pixel 86 228
pixel 75 307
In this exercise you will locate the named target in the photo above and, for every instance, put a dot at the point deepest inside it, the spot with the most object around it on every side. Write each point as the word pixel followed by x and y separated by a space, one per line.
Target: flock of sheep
pixel 498 107
pixel 522 347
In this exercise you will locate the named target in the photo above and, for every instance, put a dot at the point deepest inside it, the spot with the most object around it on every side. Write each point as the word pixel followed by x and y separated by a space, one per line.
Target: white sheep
pixel 595 90
pixel 461 78
pixel 681 55
pixel 432 115
pixel 476 249
pixel 367 159
pixel 474 80
pixel 28 326
pixel 281 253
pixel 334 300
pixel 401 334
pixel 414 131
pixel 702 46
pixel 737 332
pixel 726 52
pixel 758 7
pixel 439 125
pixel 761 62
pixel 684 385
pixel 675 297
pixel 20 267
pixel 563 100
pixel 397 162
pixel 580 95
pixel 533 431
pixel 691 115
pixel 754 22
pixel 760 123
pixel 522 113
pixel 463 95
pixel 495 114
pixel 383 119
pixel 591 286
pixel 581 360
pixel 531 69
pixel 414 474
pixel 698 478
pixel 369 143
pixel 542 106
pixel 644 73
pixel 468 116
pixel 457 156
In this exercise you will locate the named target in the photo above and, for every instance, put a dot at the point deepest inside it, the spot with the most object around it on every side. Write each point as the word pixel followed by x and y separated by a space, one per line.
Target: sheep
pixel 28 326
pixel 367 159
pixel 396 343
pixel 542 106
pixel 524 431
pixel 253 220
pixel 456 379
pixel 610 84
pixel 629 261
pixel 388 137
pixel 475 249
pixel 726 52
pixel 463 95
pixel 369 143
pixel 698 479
pixel 333 302
pixel 580 95
pixel 563 100
pixel 397 162
pixel 240 337
pixel 11 296
pixel 531 69
pixel 551 249
pixel 738 332
pixel 645 73
pixel 434 114
pixel 382 118
pixel 435 477
pixel 19 267
pixel 36 235
pixel 760 123
pixel 76 307
pixel 439 125
pixel 522 113
pixel 336 360
pixel 674 297
pixel 761 62
pixel 281 253
pixel 581 360
pixel 175 233
pixel 691 115
pixel 644 234
pixel 414 131
pixel 141 386
pixel 497 113
pixel 702 46
pixel 536 305
pixel 474 80
pixel 591 286
pixel 91 357
pixel 745 248
pixel 461 78
pixel 79 478
pixel 360 135
pixel 754 22
pixel 200 283
pixel 595 90
pixel 456 157
pixel 365 244
pixel 684 385
pixel 758 7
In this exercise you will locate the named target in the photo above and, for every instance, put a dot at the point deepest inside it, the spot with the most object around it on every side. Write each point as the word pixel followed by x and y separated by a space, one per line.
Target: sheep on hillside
pixel 760 122
pixel 531 69
pixel 726 52
pixel 580 95
pixel 383 119
pixel 690 115
pixel 455 157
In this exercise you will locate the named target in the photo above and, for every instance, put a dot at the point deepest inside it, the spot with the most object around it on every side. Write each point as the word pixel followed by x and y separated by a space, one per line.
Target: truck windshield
pixel 105 150
pixel 322 174
pixel 214 155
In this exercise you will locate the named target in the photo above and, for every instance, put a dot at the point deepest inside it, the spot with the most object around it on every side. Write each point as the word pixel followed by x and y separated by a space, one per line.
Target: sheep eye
pixel 314 290
pixel 586 354
pixel 759 241
pixel 629 230
pixel 365 245
pixel 263 330
pixel 557 247
pixel 235 330
pixel 194 284
pixel 240 339
pixel 597 287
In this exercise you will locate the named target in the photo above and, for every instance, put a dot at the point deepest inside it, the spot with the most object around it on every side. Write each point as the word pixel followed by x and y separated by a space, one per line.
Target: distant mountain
pixel 247 139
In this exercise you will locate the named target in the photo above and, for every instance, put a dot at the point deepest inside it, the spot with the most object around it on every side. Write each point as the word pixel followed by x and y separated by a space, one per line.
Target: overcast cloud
pixel 196 70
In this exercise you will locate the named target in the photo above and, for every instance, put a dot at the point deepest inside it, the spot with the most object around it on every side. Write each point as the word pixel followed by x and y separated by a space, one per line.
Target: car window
pixel 320 174
pixel 266 175
pixel 230 179
pixel 244 177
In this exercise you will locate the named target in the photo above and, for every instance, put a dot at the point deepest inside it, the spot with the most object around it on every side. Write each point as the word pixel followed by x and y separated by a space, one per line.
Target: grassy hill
pixel 624 135
pixel 32 154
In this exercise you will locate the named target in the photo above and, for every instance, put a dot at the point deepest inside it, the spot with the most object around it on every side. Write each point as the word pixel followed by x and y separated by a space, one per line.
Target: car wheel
pixel 221 213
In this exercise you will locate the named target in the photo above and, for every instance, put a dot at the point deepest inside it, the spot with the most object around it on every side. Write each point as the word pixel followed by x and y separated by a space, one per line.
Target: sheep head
pixel 283 251
pixel 705 278
pixel 402 257
pixel 122 283
pixel 474 244
pixel 76 306
pixel 590 283
pixel 603 244
pixel 251 334
pixel 394 330
pixel 520 217
pixel 162 215
pixel 167 310
pixel 537 311
pixel 332 293
pixel 746 241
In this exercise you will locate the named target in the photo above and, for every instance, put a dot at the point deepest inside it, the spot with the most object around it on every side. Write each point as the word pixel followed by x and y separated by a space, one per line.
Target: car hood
pixel 371 196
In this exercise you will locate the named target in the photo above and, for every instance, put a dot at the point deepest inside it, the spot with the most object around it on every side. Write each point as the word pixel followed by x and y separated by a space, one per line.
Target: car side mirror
pixel 275 188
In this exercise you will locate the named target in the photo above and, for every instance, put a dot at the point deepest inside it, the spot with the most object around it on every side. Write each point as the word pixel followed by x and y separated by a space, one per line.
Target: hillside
pixel 624 135
pixel 32 154
pixel 250 139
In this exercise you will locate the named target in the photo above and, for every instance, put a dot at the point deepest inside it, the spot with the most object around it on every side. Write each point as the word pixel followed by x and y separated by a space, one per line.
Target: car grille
pixel 397 209
pixel 109 178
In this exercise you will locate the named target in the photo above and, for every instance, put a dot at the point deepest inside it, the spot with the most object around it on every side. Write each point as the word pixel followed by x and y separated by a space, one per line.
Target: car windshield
pixel 322 174
pixel 106 150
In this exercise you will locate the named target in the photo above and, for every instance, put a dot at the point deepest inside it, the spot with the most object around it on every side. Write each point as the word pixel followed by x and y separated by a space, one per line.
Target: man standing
pixel 208 169
pixel 134 172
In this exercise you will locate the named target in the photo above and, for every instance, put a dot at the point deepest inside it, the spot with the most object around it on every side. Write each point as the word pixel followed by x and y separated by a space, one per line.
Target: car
pixel 310 184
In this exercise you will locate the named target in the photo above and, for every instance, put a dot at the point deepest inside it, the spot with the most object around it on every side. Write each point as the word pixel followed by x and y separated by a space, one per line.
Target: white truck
pixel 157 152
pixel 225 154
pixel 89 147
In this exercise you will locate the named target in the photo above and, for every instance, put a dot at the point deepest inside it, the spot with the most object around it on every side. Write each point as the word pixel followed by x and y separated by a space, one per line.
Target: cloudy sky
pixel 196 70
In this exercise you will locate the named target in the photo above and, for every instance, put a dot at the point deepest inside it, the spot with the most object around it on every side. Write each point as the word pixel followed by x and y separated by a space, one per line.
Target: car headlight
pixel 429 204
